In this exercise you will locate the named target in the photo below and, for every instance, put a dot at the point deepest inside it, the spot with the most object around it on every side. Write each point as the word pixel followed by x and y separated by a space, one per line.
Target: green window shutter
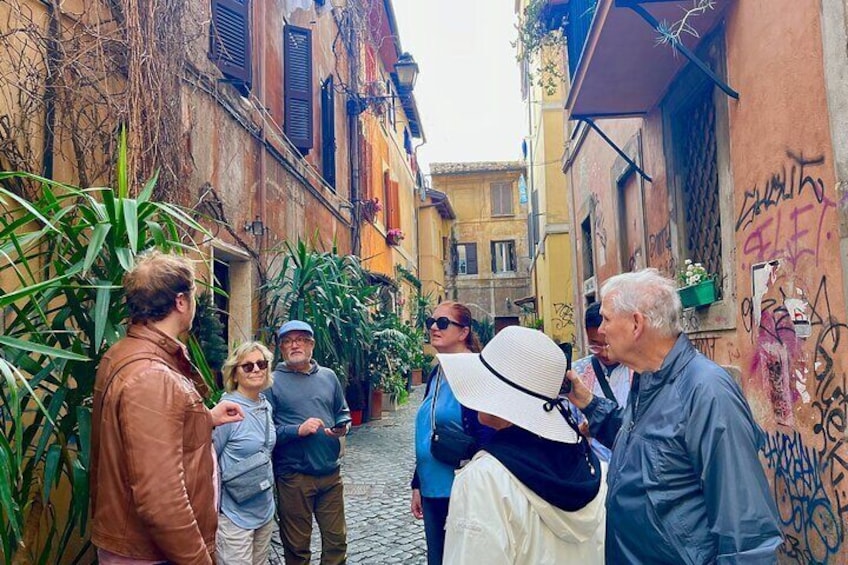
pixel 328 132
pixel 298 87
pixel 230 40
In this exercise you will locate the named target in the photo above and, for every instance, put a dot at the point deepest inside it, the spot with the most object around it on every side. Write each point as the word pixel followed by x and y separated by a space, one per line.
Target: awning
pixel 623 71
pixel 527 303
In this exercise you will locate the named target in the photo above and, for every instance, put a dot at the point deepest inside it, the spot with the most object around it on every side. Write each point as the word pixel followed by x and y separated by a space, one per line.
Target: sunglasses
pixel 262 364
pixel 441 323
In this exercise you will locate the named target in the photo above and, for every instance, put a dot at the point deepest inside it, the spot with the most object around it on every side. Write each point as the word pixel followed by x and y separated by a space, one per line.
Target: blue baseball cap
pixel 293 326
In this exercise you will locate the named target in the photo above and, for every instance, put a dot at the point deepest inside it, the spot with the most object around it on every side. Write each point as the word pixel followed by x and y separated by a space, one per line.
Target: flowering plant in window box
pixel 394 236
pixel 369 209
pixel 697 286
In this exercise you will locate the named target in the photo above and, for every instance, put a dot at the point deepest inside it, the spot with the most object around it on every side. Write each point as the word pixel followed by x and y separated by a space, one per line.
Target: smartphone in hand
pixel 566 384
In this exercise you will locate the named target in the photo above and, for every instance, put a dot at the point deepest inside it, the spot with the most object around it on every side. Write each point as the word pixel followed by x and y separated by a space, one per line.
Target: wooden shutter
pixel 387 199
pixel 328 132
pixel 493 250
pixel 471 258
pixel 513 264
pixel 394 217
pixel 230 38
pixel 298 86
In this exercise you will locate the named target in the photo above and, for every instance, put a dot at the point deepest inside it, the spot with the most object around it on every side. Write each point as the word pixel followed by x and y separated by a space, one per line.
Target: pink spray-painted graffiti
pixel 792 231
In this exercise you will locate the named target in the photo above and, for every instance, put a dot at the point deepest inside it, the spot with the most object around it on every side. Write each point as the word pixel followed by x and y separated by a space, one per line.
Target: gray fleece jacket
pixel 296 397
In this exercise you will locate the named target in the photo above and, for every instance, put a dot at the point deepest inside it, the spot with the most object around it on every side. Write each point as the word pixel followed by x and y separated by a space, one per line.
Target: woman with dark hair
pixel 450 332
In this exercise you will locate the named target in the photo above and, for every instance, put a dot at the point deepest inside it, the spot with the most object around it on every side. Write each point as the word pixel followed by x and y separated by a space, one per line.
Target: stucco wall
pixel 782 207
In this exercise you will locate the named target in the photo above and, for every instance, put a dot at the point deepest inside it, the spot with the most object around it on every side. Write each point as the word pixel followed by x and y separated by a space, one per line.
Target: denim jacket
pixel 685 481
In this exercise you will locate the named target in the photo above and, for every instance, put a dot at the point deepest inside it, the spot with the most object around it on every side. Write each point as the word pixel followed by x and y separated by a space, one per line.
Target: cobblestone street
pixel 376 470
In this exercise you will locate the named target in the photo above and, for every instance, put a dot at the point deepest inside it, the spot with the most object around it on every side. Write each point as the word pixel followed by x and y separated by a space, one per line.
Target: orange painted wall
pixel 784 207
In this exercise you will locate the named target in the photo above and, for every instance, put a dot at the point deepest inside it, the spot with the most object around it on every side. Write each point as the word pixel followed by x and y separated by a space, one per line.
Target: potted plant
pixel 697 286
pixel 369 208
pixel 394 236
pixel 355 401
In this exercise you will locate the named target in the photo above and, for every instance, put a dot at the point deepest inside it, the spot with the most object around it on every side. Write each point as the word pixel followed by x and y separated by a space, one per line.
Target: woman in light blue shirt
pixel 450 332
pixel 245 528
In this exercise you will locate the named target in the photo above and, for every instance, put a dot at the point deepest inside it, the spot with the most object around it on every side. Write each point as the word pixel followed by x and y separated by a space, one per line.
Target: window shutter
pixel 328 131
pixel 230 39
pixel 494 250
pixel 454 260
pixel 298 86
pixel 471 257
pixel 387 200
pixel 513 264
pixel 394 220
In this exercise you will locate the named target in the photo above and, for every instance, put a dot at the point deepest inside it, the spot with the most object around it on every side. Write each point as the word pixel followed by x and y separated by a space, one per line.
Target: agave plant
pixel 332 293
pixel 63 255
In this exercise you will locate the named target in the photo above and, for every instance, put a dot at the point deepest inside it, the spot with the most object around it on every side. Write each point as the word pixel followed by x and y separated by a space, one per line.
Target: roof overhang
pixel 624 70
pixel 442 204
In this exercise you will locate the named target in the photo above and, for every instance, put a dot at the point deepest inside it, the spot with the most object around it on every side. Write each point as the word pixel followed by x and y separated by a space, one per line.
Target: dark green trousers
pixel 300 497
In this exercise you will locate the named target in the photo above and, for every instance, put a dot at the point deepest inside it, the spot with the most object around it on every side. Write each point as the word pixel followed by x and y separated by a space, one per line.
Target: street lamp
pixel 406 71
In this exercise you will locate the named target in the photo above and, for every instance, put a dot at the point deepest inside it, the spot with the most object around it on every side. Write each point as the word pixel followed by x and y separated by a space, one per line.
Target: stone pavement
pixel 376 471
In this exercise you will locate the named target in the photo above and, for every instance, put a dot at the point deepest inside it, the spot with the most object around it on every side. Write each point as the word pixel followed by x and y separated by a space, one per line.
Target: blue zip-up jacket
pixel 685 481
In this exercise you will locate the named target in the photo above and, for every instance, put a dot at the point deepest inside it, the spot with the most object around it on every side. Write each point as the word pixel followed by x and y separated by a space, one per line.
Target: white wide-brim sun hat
pixel 516 377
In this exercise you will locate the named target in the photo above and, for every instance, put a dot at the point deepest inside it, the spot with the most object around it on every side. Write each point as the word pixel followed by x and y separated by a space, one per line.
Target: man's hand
pixel 580 395
pixel 309 427
pixel 416 507
pixel 226 412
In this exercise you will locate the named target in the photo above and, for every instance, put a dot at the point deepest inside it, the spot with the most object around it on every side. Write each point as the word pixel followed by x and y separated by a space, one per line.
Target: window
pixel 328 132
pixel 298 87
pixel 465 257
pixel 501 198
pixel 503 256
pixel 230 41
pixel 588 257
pixel 691 116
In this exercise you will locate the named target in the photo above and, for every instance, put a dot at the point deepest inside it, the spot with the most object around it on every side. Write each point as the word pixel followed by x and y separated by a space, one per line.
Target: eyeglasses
pixel 595 349
pixel 441 323
pixel 262 364
pixel 298 340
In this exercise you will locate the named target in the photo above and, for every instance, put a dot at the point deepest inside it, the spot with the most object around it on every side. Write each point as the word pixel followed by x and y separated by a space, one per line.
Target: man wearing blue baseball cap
pixel 310 415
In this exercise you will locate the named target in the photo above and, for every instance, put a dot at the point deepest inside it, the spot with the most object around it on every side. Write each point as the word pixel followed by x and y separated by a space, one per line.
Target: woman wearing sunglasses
pixel 245 520
pixel 450 332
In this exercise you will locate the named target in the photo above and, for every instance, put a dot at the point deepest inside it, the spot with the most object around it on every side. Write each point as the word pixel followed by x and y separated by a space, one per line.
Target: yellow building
pixel 489 252
pixel 551 268
pixel 435 224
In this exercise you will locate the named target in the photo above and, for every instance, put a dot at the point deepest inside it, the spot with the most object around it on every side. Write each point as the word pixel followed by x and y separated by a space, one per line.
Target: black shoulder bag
pixel 449 446
pixel 602 379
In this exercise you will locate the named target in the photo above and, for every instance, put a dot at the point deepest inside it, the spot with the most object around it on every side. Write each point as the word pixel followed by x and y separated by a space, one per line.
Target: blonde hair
pixel 235 358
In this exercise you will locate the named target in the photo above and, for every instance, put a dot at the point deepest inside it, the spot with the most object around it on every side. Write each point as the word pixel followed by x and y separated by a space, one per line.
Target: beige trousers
pixel 237 546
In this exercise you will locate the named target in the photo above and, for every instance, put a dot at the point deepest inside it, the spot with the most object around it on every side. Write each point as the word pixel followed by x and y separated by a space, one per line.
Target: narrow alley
pixel 376 469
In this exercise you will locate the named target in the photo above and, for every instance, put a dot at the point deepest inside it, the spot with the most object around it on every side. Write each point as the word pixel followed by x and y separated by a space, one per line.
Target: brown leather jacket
pixel 152 495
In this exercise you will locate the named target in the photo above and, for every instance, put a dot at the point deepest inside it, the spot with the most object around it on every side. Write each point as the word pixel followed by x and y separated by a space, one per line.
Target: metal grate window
pixel 696 142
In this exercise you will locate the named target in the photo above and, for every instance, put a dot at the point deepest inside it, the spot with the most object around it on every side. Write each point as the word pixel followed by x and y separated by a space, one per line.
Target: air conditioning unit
pixel 589 286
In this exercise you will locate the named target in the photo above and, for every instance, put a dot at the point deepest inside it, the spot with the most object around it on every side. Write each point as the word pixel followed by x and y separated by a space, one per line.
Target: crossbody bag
pixel 252 475
pixel 449 446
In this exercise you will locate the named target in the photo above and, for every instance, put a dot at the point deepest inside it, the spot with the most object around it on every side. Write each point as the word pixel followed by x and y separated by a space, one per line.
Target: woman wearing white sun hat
pixel 535 493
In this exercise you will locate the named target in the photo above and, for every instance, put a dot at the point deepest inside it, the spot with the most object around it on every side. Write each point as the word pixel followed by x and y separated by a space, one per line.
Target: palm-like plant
pixel 332 293
pixel 62 258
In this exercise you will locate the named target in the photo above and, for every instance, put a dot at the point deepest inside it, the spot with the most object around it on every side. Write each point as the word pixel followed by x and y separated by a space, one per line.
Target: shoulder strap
pixel 438 376
pixel 602 378
pixel 128 360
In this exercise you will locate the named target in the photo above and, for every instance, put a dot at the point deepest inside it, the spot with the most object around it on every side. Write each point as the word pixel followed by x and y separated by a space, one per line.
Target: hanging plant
pixel 541 43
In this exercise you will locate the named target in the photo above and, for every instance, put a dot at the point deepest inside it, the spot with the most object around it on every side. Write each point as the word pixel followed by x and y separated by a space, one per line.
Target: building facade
pixel 721 141
pixel 549 221
pixel 489 266
pixel 256 114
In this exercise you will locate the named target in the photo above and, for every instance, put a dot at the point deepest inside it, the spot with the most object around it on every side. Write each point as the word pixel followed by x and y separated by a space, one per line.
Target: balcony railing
pixel 580 15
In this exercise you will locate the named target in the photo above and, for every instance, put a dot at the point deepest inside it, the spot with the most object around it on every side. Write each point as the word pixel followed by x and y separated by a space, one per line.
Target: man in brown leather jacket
pixel 152 491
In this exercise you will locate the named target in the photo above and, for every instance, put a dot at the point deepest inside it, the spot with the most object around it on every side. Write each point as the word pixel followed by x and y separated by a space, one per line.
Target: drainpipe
pixel 353 143
pixel 261 188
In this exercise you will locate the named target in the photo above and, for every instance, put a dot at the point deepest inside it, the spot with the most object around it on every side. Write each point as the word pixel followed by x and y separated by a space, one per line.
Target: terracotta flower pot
pixel 417 377
pixel 376 404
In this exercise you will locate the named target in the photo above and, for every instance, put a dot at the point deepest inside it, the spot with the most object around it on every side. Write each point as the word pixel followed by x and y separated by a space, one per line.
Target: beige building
pixel 489 257
pixel 435 224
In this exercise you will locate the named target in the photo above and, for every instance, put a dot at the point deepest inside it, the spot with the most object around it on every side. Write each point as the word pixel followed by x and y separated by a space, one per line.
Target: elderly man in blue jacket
pixel 685 484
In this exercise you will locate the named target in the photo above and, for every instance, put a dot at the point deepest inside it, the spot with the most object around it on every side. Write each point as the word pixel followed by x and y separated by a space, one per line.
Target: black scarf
pixel 557 472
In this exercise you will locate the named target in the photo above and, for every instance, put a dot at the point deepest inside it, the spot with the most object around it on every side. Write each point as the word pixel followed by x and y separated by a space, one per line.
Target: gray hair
pixel 649 293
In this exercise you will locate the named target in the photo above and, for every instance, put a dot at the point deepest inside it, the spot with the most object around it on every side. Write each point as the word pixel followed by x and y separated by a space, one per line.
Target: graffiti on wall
pixel 564 315
pixel 599 226
pixel 783 225
pixel 811 521
pixel 659 251
pixel 792 231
